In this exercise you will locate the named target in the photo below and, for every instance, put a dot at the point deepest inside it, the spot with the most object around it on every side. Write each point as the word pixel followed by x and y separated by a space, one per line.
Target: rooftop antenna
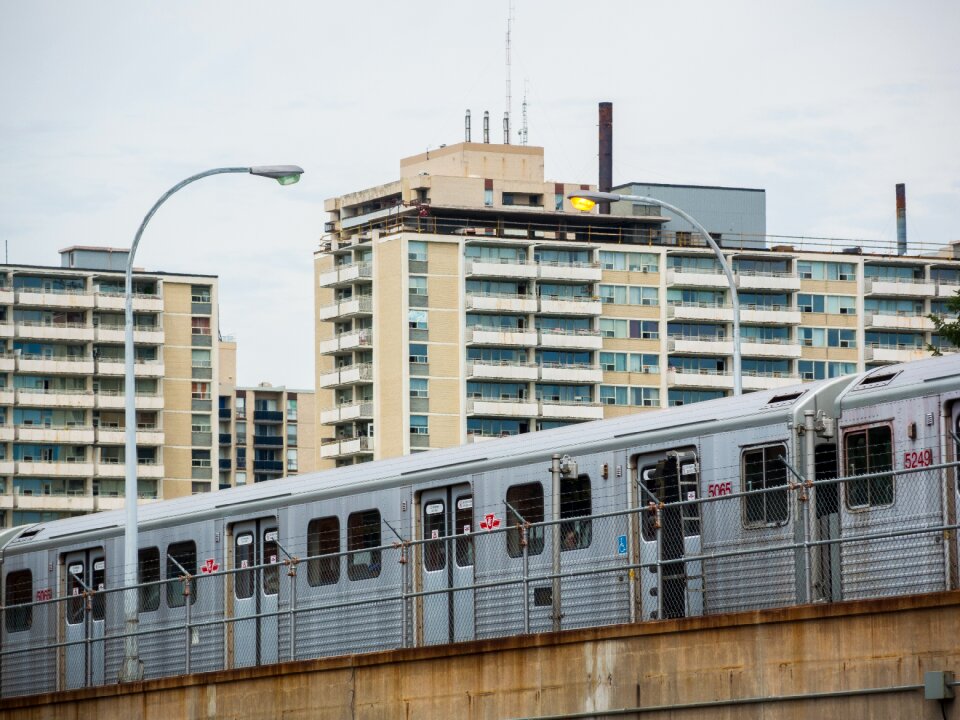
pixel 523 127
pixel 466 126
pixel 506 114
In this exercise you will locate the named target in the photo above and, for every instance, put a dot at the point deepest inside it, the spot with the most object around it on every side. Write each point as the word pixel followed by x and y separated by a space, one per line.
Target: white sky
pixel 107 104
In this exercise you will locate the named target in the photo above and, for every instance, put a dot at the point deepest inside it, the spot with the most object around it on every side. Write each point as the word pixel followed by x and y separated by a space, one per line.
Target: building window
pixel 418 285
pixel 363 543
pixel 291 409
pixel 19 591
pixel 200 293
pixel 434 526
pixel 148 577
pixel 200 390
pixel 575 503
pixel 418 387
pixel 200 423
pixel 241 477
pixel 507 198
pixel 417 319
pixel 292 460
pixel 323 538
pixel 527 500
pixel 418 425
pixel 200 359
pixel 291 434
pixel 200 325
pixel 200 458
pixel 762 469
pixel 869 451
pixel 181 555
pixel 417 251
pixel 418 353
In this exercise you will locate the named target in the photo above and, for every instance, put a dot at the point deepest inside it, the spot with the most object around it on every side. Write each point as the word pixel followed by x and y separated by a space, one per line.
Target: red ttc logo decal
pixel 490 522
pixel 210 566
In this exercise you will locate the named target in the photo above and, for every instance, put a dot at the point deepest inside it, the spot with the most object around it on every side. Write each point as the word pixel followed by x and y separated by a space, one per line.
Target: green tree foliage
pixel 948 326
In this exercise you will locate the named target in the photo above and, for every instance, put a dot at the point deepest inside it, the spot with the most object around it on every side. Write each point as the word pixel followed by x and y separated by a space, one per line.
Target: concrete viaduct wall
pixel 750 662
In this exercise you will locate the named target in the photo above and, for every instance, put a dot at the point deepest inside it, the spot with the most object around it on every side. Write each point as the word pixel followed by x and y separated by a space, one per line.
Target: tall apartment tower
pixel 62 386
pixel 468 300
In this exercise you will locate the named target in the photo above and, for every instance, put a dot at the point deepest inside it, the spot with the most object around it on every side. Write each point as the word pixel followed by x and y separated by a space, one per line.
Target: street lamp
pixel 132 667
pixel 585 200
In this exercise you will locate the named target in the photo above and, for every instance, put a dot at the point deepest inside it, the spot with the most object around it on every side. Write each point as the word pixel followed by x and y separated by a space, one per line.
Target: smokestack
pixel 606 154
pixel 486 126
pixel 466 127
pixel 506 128
pixel 901 219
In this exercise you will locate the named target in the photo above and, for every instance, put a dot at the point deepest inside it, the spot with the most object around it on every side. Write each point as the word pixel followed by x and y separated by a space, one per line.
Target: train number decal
pixel 718 489
pixel 917 458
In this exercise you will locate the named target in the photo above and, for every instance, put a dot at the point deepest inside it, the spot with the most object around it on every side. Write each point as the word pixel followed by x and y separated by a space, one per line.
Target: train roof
pixel 895 382
pixel 661 425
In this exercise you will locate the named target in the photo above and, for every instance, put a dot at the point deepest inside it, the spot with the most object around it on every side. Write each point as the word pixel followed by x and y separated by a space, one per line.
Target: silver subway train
pixel 832 490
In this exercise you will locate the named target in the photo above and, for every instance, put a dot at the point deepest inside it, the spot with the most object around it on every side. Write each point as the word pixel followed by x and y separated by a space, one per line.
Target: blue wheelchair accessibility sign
pixel 622 545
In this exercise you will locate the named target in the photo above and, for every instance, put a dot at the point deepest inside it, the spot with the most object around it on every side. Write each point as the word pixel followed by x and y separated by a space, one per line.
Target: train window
pixel 323 538
pixel 527 500
pixel 463 530
pixel 434 530
pixel 762 469
pixel 99 601
pixel 181 554
pixel 243 557
pixel 649 485
pixel 148 576
pixel 19 592
pixel 363 542
pixel 75 588
pixel 271 558
pixel 575 503
pixel 867 452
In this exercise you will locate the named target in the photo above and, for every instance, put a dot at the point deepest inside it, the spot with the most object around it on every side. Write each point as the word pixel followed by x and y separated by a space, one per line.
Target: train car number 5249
pixel 917 458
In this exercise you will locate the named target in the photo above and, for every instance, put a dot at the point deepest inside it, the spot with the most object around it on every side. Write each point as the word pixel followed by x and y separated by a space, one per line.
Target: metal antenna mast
pixel 509 108
pixel 523 127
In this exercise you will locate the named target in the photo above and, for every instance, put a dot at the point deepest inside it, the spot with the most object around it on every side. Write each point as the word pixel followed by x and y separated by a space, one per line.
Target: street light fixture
pixel 132 668
pixel 585 200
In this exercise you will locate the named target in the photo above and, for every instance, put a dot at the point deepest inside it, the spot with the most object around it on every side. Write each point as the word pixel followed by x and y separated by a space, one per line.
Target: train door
pixel 83 622
pixel 826 570
pixel 669 587
pixel 446 525
pixel 953 455
pixel 256 592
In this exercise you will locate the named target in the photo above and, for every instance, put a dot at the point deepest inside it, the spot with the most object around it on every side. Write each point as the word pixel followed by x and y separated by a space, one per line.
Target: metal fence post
pixel 87 632
pixel 803 504
pixel 658 526
pixel 292 573
pixel 404 623
pixel 526 579
pixel 187 581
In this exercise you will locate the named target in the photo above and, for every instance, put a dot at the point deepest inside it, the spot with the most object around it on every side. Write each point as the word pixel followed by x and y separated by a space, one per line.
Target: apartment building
pixel 62 385
pixel 265 433
pixel 468 300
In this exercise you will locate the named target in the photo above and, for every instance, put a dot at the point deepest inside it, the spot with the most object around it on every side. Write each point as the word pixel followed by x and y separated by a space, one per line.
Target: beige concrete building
pixel 265 432
pixel 61 385
pixel 468 300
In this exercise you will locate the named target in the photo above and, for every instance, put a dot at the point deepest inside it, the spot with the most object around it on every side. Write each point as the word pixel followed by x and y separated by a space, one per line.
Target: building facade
pixel 62 385
pixel 265 433
pixel 467 300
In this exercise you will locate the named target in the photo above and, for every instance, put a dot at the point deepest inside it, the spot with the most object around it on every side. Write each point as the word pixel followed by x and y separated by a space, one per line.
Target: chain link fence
pixel 786 541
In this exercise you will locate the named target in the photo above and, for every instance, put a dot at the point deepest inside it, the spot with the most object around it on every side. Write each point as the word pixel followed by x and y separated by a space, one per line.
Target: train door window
pixel 148 576
pixel 435 549
pixel 647 496
pixel 575 503
pixel 463 530
pixel 99 604
pixel 180 554
pixel 323 538
pixel 244 559
pixel 363 542
pixel 527 500
pixel 271 559
pixel 19 591
pixel 869 451
pixel 75 588
pixel 762 469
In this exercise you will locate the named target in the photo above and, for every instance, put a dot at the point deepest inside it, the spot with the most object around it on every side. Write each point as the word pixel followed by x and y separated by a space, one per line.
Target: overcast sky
pixel 107 104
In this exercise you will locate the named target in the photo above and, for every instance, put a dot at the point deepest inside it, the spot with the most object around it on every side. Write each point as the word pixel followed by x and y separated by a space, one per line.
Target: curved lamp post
pixel 132 668
pixel 585 200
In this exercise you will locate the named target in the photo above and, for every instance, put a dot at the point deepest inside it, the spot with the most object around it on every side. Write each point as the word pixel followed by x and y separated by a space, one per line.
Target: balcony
pixel 73 299
pixel 7 433
pixel 502 408
pixel 6 396
pixel 493 370
pixel 879 321
pixel 770 315
pixel 347 341
pixel 6 295
pixel 355 307
pixel 346 412
pixel 6 329
pixel 555 409
pixel 346 447
pixel 268 465
pixel 769 349
pixel 268 416
pixel 69 468
pixel 44 434
pixel 142 334
pixel 268 441
pixel 699 312
pixel 576 306
pixel 768 281
pixel 54 365
pixel 115 468
pixel 49 331
pixel 348 375
pixel 35 397
pixel 898 354
pixel 507 337
pixel 117 301
pixel 345 274
pixel 769 381
pixel 494 269
pixel 225 438
pixel 695 346
pixel 899 287
pixel 115 367
pixel 114 400
pixel 7 467
pixel 146 436
pixel 501 303
pixel 7 362
pixel 713 380
pixel 225 464
pixel 947 289
pixel 681 278
pixel 582 272
pixel 572 373
pixel 579 339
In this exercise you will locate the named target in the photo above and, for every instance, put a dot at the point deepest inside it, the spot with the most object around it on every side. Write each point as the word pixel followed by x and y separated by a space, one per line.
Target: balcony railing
pixel 268 416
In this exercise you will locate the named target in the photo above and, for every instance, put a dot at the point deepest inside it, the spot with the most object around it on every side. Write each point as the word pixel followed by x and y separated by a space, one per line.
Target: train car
pixel 715 507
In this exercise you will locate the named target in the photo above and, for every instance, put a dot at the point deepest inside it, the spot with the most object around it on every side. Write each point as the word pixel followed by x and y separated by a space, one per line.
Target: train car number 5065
pixel 917 458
